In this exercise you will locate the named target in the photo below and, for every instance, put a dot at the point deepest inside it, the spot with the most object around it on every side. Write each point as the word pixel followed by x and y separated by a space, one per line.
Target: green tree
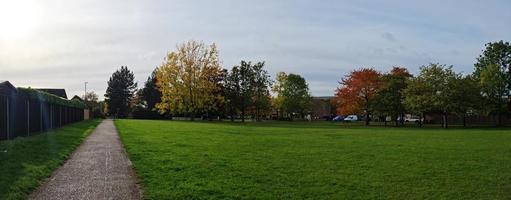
pixel 389 98
pixel 492 80
pixel 278 88
pixel 296 96
pixel 121 88
pixel 91 101
pixel 262 84
pixel 431 91
pixel 465 96
pixel 496 53
pixel 150 93
pixel 241 84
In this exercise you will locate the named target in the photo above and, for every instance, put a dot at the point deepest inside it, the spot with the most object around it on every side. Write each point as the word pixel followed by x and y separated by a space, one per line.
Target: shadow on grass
pixel 26 161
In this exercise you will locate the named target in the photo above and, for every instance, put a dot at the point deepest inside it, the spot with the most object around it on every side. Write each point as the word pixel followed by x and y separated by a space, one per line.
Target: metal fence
pixel 23 115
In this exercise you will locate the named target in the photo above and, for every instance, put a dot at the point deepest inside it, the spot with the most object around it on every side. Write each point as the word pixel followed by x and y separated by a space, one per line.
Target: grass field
pixel 269 160
pixel 24 162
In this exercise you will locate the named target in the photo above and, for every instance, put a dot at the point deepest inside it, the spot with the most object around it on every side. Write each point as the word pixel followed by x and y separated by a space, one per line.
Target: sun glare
pixel 18 18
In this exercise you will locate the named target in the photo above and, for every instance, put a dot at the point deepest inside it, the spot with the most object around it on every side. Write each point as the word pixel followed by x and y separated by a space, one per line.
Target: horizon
pixel 62 44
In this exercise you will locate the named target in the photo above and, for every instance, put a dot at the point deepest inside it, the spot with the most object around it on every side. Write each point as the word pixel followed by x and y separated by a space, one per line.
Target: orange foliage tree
pixel 356 92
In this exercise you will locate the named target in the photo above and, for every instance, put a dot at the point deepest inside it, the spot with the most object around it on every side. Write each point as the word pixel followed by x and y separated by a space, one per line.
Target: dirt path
pixel 98 169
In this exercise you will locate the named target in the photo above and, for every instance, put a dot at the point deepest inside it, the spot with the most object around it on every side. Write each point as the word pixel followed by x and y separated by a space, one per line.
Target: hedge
pixel 49 98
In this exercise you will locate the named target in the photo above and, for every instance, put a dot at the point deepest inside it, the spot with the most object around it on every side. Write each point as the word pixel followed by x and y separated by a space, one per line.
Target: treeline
pixel 191 83
pixel 437 89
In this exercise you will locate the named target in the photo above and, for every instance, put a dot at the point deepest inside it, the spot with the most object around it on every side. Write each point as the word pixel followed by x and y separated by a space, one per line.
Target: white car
pixel 351 118
pixel 415 119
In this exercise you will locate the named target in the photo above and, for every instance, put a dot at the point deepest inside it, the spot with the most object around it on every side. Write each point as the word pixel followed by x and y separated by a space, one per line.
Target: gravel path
pixel 98 169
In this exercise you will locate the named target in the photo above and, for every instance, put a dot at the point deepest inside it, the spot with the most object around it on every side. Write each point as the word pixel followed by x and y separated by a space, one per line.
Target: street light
pixel 85 95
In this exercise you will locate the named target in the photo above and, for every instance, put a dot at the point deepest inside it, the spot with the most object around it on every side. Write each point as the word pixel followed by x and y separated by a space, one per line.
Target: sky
pixel 63 44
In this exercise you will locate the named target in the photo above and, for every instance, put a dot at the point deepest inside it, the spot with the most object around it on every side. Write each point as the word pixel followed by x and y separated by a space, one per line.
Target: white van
pixel 351 118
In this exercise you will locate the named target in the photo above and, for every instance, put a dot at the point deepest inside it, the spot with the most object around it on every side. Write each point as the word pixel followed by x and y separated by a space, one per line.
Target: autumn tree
pixel 357 91
pixel 389 99
pixel 185 80
pixel 120 91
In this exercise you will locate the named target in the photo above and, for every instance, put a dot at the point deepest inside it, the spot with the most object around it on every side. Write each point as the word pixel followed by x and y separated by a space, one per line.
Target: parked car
pixel 338 118
pixel 415 119
pixel 351 118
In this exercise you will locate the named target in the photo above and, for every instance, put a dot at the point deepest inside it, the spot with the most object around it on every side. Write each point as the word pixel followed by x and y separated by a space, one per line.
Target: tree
pixel 357 92
pixel 278 88
pixel 389 99
pixel 464 96
pixel 218 107
pixel 296 98
pixel 150 93
pixel 496 53
pixel 91 101
pixel 432 91
pixel 262 83
pixel 185 80
pixel 121 88
pixel 493 72
pixel 241 83
pixel 492 80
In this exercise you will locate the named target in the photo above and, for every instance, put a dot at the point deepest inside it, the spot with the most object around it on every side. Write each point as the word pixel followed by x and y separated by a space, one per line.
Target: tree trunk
pixel 258 114
pixel 499 123
pixel 243 114
pixel 402 121
pixel 367 118
pixel 422 119
pixel 464 120
pixel 444 116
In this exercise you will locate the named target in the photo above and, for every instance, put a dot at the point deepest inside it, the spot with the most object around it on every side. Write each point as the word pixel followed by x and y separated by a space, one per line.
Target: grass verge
pixel 25 162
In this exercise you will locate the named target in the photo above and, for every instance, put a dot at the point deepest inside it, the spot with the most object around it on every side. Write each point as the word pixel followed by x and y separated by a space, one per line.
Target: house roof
pixel 76 97
pixel 323 98
pixel 6 88
pixel 54 91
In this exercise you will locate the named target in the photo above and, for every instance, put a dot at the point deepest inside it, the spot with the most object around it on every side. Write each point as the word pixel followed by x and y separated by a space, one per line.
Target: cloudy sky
pixel 62 43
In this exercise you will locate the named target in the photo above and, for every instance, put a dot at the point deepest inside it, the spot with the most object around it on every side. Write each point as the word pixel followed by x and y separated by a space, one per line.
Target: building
pixel 322 107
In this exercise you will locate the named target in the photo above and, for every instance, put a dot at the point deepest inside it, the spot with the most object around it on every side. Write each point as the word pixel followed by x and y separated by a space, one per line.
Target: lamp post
pixel 85 95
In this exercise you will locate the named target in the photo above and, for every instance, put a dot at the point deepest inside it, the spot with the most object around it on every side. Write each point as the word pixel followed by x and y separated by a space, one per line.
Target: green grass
pixel 25 162
pixel 178 160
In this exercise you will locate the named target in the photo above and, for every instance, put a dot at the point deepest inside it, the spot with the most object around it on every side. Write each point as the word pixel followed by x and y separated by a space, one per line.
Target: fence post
pixel 60 116
pixel 8 123
pixel 41 116
pixel 51 115
pixel 28 117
